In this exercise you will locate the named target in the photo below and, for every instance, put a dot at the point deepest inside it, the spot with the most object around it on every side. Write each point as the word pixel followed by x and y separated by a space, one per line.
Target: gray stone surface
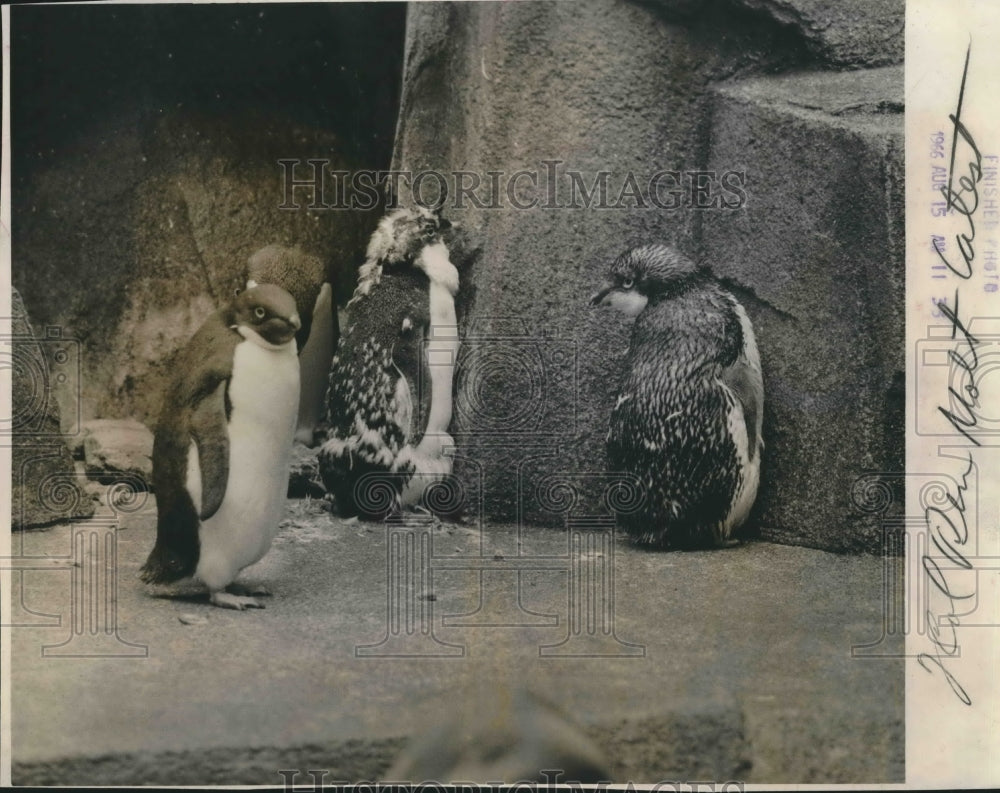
pixel 746 672
pixel 819 249
pixel 112 447
pixel 851 33
pixel 45 487
pixel 838 33
pixel 505 734
pixel 624 89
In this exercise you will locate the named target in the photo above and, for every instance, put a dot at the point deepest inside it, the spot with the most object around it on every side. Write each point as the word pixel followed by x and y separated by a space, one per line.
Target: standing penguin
pixel 687 422
pixel 391 385
pixel 221 447
pixel 304 277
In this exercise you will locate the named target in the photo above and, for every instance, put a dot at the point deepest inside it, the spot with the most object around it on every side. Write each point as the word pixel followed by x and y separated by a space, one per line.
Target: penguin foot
pixel 229 601
pixel 248 590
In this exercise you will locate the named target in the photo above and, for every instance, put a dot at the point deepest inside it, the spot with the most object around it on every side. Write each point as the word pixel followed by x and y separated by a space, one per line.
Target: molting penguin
pixel 687 422
pixel 391 385
pixel 221 447
pixel 305 278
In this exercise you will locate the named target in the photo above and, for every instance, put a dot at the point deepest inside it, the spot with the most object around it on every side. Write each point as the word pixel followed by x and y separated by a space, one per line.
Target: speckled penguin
pixel 687 421
pixel 222 442
pixel 304 277
pixel 388 408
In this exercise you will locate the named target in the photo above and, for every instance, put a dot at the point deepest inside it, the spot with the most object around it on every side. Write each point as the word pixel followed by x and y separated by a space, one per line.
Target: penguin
pixel 687 421
pixel 222 444
pixel 305 277
pixel 391 384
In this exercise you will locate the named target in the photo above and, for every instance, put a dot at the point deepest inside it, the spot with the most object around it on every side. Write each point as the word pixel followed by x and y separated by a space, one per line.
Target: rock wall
pixel 45 485
pixel 567 91
pixel 820 247
pixel 146 148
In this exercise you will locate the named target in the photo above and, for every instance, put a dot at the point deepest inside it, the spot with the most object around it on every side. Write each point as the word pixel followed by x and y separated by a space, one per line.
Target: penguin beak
pixel 598 297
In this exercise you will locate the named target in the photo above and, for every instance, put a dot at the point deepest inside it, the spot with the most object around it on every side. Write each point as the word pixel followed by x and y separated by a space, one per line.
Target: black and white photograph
pixel 564 392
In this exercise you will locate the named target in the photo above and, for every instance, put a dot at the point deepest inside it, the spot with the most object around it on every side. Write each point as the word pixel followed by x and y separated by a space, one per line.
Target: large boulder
pixel 116 448
pixel 45 486
pixel 843 34
pixel 819 251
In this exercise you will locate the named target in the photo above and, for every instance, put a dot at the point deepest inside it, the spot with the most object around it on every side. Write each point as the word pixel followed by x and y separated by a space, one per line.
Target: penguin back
pixel 378 396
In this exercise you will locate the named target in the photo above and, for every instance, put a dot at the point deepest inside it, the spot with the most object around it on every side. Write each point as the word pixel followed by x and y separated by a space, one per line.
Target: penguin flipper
pixel 209 428
pixel 745 383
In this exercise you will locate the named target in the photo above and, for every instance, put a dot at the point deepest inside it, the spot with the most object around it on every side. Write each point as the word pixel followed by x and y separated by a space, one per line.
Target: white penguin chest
pixel 264 398
pixel 264 395
pixel 264 389
pixel 442 339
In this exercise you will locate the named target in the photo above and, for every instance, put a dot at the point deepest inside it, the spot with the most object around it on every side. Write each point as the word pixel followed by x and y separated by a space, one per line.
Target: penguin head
pixel 299 273
pixel 294 270
pixel 266 313
pixel 400 238
pixel 643 274
pixel 404 232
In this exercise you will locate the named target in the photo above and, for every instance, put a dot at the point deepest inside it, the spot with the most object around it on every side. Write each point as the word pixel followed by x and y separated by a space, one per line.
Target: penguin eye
pixel 628 283
pixel 259 312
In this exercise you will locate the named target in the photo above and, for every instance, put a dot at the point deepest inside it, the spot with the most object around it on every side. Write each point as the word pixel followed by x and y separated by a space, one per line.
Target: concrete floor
pixel 727 665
